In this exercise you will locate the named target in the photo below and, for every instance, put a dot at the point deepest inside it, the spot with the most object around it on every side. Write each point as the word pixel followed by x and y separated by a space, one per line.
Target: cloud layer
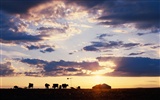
pixel 134 66
pixel 109 66
pixel 41 24
pixel 144 14
pixel 6 69
pixel 19 6
pixel 103 45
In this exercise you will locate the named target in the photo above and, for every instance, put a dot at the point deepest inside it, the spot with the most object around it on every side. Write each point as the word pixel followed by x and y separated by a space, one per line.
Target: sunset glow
pixel 106 41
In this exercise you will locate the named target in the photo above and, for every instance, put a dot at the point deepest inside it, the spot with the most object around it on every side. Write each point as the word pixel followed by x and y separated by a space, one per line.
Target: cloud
pixel 103 45
pixel 63 67
pixel 47 29
pixel 154 31
pixel 44 48
pixel 6 69
pixel 19 6
pixel 72 69
pixel 144 15
pixel 155 47
pixel 87 3
pixel 110 66
pixel 36 46
pixel 102 36
pixel 34 61
pixel 19 37
pixel 47 50
pixel 11 31
pixel 136 53
pixel 90 48
pixel 35 74
pixel 133 66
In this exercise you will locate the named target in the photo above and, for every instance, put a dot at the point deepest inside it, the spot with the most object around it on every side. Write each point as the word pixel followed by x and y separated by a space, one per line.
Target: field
pixel 81 94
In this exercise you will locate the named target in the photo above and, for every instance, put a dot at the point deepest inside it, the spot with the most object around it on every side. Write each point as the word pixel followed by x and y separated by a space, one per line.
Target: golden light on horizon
pixel 98 79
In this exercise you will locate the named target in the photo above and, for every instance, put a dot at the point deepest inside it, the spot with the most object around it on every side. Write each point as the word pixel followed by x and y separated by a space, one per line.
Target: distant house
pixel 101 86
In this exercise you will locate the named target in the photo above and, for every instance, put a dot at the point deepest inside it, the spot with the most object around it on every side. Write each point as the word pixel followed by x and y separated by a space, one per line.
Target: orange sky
pixel 84 81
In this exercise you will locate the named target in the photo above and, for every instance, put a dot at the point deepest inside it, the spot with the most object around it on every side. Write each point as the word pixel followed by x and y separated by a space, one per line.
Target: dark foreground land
pixel 80 94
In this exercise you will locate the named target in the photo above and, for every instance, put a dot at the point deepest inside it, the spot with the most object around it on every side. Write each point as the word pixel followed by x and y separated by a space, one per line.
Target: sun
pixel 98 79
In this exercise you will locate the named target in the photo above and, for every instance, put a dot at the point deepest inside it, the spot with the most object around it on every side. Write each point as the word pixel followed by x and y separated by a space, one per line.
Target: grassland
pixel 81 94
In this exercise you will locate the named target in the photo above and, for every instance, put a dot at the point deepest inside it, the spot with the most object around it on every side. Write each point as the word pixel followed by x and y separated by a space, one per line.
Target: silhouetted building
pixel 101 86
pixel 72 88
pixel 15 87
pixel 78 87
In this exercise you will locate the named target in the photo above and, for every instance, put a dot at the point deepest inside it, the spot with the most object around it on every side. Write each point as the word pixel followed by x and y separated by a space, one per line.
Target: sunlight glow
pixel 108 66
pixel 103 71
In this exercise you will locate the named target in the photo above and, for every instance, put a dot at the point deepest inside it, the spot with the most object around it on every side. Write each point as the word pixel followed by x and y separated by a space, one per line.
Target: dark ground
pixel 81 94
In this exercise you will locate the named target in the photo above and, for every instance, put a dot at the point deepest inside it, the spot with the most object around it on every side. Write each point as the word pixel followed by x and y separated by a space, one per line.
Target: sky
pixel 89 41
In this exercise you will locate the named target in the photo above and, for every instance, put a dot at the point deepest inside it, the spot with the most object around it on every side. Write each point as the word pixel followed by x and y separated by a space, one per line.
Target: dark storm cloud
pixel 143 13
pixel 136 53
pixel 19 6
pixel 62 67
pixel 87 3
pixel 18 37
pixel 134 66
pixel 10 31
pixel 98 46
pixel 6 70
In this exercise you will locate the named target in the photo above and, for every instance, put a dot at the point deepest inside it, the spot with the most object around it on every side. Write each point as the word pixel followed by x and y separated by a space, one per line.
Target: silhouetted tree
pixel 78 87
pixel 47 86
pixel 72 88
pixel 30 85
pixel 55 86
pixel 15 87
pixel 64 86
